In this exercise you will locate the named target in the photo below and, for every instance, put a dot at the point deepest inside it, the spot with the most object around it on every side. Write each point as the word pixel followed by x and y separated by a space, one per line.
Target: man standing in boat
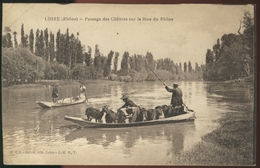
pixel 130 106
pixel 55 92
pixel 176 95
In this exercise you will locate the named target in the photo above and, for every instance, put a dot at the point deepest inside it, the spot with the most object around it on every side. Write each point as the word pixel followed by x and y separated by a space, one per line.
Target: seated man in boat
pixel 55 92
pixel 131 107
pixel 176 95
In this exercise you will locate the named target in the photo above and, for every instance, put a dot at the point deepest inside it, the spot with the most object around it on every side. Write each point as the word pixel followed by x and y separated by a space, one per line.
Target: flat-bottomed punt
pixel 61 103
pixel 188 116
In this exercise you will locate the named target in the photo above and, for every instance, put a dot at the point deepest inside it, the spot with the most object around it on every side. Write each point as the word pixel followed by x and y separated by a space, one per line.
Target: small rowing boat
pixel 187 116
pixel 63 102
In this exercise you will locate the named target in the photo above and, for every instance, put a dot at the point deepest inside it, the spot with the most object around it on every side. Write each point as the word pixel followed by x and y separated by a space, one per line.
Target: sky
pixel 190 30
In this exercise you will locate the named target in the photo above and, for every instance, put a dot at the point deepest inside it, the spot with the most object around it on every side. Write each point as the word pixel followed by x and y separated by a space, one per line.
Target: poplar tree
pixel 31 41
pixel 67 48
pixel 37 51
pixel 107 68
pixel 46 46
pixel 189 67
pixel 24 38
pixel 51 47
pixel 125 62
pixel 185 67
pixel 58 47
pixel 41 45
pixel 116 61
pixel 15 39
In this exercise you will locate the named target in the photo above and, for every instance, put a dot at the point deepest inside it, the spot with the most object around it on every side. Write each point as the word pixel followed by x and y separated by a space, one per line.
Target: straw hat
pixel 124 97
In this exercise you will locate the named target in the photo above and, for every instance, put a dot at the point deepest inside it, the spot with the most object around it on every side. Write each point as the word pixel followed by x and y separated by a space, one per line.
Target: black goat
pixel 94 113
pixel 111 116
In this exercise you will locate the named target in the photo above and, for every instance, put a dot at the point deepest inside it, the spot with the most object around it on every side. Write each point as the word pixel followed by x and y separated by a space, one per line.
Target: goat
pixel 111 116
pixel 94 113
pixel 170 111
pixel 120 116
pixel 159 112
pixel 154 114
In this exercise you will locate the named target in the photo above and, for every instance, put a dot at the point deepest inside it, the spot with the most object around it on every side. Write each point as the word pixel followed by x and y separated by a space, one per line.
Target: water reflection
pixel 130 138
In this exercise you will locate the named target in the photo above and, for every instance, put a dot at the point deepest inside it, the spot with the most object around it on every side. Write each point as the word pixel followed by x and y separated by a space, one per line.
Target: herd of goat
pixel 142 114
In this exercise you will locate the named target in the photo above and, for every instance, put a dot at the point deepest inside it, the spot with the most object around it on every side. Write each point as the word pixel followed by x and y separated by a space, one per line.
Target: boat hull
pixel 46 104
pixel 189 116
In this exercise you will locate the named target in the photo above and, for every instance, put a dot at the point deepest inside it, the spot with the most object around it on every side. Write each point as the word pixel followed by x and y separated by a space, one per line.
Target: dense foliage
pixel 41 55
pixel 232 56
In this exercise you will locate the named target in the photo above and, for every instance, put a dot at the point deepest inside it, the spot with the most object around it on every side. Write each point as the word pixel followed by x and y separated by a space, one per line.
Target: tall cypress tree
pixel 37 43
pixel 107 68
pixel 185 67
pixel 116 61
pixel 124 62
pixel 46 46
pixel 24 38
pixel 58 47
pixel 15 39
pixel 41 45
pixel 189 67
pixel 31 41
pixel 51 47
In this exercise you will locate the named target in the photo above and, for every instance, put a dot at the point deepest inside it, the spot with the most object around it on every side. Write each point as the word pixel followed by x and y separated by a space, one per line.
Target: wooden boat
pixel 187 116
pixel 63 102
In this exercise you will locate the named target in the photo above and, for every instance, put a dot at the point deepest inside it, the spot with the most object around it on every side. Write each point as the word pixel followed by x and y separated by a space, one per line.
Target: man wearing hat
pixel 55 92
pixel 131 107
pixel 176 95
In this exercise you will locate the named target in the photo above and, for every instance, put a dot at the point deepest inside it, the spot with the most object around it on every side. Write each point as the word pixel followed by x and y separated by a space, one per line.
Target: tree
pixel 149 60
pixel 6 39
pixel 31 41
pixel 46 46
pixel 209 56
pixel 87 56
pixel 107 68
pixel 20 63
pixel 185 67
pixel 125 62
pixel 51 47
pixel 116 61
pixel 15 39
pixel 58 47
pixel 37 44
pixel 24 38
pixel 190 67
pixel 216 51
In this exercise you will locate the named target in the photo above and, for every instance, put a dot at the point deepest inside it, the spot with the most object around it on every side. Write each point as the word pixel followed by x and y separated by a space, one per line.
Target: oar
pixel 156 75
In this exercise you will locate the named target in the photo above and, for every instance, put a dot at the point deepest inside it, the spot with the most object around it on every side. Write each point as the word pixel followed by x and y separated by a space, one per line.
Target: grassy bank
pixel 230 144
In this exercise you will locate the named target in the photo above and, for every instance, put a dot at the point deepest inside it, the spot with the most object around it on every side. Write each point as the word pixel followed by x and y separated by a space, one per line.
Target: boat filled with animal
pixel 158 115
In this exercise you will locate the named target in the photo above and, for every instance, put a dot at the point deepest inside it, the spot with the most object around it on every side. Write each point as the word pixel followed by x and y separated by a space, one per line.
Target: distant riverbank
pixel 48 83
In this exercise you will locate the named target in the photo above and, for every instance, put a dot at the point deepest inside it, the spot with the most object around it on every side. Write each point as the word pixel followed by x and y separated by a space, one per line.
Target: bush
pixel 19 64
pixel 125 78
pixel 112 77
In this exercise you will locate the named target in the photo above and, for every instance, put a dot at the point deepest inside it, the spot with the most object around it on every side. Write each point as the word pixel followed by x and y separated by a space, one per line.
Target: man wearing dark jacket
pixel 131 107
pixel 55 92
pixel 176 95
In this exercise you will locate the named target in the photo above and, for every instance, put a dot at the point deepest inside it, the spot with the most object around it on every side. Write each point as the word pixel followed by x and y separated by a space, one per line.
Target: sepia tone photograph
pixel 129 84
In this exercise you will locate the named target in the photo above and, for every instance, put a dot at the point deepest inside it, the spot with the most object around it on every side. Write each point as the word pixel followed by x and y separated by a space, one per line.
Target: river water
pixel 32 135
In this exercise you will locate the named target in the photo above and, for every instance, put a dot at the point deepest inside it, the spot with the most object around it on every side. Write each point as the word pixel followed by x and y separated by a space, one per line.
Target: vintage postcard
pixel 129 84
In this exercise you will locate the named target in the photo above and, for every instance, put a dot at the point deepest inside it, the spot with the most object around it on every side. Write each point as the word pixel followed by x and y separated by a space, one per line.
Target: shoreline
pixel 232 143
pixel 43 83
